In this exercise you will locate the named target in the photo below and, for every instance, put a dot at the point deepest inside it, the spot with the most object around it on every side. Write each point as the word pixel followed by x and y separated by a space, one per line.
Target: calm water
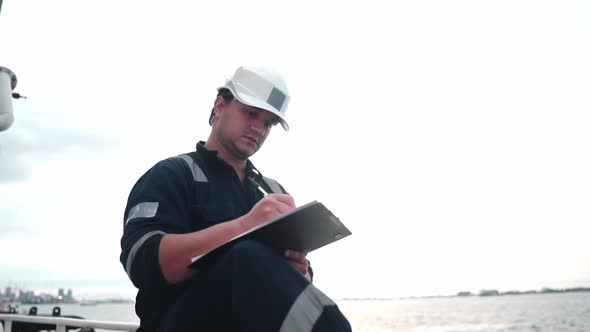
pixel 542 312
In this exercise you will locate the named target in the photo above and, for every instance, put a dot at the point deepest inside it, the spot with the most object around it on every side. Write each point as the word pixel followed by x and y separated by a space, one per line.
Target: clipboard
pixel 305 228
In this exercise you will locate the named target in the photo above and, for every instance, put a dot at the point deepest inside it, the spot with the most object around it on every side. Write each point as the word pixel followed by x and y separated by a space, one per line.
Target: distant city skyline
pixel 89 292
pixel 62 295
pixel 82 291
pixel 31 296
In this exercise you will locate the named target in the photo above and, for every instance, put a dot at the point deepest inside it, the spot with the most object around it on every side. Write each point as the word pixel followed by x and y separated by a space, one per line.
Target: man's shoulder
pixel 179 165
pixel 179 160
pixel 186 163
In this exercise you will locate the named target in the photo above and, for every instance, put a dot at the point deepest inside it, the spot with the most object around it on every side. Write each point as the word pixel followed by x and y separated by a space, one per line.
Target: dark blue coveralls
pixel 250 287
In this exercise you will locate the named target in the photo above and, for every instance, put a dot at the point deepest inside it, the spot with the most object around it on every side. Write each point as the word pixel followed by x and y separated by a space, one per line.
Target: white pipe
pixel 7 84
pixel 62 322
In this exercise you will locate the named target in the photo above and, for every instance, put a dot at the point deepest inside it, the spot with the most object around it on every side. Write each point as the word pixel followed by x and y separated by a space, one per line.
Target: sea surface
pixel 514 313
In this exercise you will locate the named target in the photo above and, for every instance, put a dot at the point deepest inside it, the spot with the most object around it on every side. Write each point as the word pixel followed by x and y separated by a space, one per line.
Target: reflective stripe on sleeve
pixel 306 310
pixel 198 174
pixel 136 247
pixel 143 210
pixel 274 185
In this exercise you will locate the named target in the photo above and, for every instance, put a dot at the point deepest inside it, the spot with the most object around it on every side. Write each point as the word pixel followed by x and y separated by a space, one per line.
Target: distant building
pixel 8 292
pixel 26 296
pixel 69 296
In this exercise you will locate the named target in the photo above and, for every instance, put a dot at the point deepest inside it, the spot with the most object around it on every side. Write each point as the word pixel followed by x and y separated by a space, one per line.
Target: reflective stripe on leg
pixel 306 310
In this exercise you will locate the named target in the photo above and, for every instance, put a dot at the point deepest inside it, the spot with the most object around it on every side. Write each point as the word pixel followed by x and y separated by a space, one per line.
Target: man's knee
pixel 250 251
pixel 251 258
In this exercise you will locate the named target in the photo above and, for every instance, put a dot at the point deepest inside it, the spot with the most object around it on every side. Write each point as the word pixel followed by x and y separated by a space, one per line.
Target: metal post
pixel 7 84
pixel 7 325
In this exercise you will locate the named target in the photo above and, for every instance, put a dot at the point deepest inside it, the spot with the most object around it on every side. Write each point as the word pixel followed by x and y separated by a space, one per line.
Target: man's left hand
pixel 298 261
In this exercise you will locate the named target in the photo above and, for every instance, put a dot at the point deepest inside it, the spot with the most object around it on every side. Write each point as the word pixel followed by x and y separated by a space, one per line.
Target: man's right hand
pixel 266 209
pixel 176 250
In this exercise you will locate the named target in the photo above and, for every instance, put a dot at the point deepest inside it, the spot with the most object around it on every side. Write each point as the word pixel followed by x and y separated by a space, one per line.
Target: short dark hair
pixel 227 97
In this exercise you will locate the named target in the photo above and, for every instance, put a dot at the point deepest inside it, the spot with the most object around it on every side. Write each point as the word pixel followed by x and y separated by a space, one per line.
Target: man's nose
pixel 258 127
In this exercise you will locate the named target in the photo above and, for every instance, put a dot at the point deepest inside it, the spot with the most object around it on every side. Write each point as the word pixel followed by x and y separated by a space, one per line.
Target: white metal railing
pixel 61 323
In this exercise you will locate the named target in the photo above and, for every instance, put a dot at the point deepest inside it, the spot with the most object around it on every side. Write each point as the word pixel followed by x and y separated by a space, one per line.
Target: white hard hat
pixel 262 88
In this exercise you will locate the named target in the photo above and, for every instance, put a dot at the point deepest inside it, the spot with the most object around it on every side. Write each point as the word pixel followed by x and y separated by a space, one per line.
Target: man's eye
pixel 271 123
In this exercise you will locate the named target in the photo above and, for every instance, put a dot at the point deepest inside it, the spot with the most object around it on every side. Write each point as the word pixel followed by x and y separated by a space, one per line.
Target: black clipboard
pixel 305 228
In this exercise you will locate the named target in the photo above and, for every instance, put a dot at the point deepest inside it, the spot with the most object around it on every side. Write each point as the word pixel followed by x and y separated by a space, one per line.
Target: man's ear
pixel 218 105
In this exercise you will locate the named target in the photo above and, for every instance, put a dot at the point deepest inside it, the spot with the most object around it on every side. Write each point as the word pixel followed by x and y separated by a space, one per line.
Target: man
pixel 186 206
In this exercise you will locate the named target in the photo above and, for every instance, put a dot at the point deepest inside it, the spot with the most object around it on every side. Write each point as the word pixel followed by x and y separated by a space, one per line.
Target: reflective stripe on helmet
pixel 276 98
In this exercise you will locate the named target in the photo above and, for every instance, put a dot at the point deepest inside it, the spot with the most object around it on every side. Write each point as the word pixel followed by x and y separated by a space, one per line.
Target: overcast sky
pixel 451 137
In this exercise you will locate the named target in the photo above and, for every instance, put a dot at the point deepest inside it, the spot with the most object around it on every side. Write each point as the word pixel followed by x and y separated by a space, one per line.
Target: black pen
pixel 264 193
